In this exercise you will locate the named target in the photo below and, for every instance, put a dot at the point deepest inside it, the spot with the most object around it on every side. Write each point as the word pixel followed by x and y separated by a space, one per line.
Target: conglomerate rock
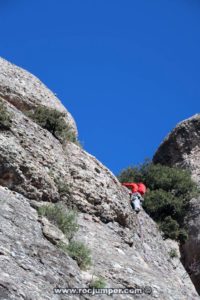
pixel 25 91
pixel 182 148
pixel 35 168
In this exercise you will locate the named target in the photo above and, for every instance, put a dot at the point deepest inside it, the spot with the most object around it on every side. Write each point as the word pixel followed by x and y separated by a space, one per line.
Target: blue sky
pixel 128 71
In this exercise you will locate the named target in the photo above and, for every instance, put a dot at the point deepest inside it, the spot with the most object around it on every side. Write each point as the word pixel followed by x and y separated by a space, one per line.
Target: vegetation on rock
pixel 66 221
pixel 54 122
pixel 5 119
pixel 79 252
pixel 173 253
pixel 63 187
pixel 168 195
pixel 98 283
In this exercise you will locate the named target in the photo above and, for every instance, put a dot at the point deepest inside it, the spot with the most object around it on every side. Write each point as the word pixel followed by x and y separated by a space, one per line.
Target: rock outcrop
pixel 25 91
pixel 182 148
pixel 30 265
pixel 35 168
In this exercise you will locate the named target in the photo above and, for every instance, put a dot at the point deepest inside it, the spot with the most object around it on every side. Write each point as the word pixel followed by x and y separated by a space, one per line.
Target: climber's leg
pixel 136 205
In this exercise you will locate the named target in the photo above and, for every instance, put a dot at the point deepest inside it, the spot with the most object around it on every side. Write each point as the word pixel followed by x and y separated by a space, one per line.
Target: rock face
pixel 25 91
pixel 31 266
pixel 35 168
pixel 182 148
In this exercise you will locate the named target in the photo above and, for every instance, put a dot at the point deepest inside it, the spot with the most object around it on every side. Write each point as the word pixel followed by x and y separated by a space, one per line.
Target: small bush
pixel 170 228
pixel 168 195
pixel 65 220
pixel 79 252
pixel 98 283
pixel 157 176
pixel 183 236
pixel 5 119
pixel 63 188
pixel 131 174
pixel 54 122
pixel 173 253
pixel 159 204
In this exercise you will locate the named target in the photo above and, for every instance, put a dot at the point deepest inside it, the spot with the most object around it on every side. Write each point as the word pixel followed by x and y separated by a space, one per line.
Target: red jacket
pixel 131 185
pixel 135 187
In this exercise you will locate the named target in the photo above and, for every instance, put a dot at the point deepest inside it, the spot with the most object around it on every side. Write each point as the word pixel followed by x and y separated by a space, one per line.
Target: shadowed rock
pixel 182 148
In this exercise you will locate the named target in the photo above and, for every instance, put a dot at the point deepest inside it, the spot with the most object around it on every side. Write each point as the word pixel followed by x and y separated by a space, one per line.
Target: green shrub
pixel 183 235
pixel 54 122
pixel 63 187
pixel 168 195
pixel 131 174
pixel 156 176
pixel 170 228
pixel 65 220
pixel 159 204
pixel 98 283
pixel 173 253
pixel 79 252
pixel 5 119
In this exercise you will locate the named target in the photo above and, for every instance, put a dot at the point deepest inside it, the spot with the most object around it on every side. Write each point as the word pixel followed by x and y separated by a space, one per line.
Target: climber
pixel 133 187
pixel 137 191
